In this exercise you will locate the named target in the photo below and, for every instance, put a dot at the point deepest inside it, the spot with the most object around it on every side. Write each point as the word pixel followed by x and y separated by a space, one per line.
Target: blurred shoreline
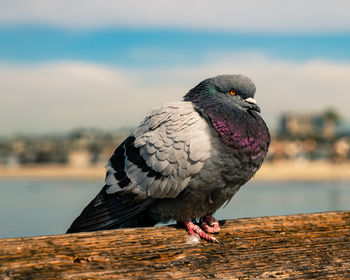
pixel 299 170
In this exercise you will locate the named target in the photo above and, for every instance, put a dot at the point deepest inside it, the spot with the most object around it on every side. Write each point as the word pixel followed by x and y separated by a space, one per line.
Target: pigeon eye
pixel 233 92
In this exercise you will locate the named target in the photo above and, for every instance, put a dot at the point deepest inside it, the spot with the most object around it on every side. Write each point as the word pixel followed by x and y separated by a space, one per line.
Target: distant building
pixel 79 148
pixel 79 158
pixel 307 125
pixel 343 130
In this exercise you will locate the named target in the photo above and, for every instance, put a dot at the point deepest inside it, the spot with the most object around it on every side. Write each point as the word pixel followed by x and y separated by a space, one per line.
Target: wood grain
pixel 306 246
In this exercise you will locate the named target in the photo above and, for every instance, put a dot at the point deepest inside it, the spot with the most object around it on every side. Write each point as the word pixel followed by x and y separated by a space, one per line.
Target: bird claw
pixel 196 230
pixel 210 224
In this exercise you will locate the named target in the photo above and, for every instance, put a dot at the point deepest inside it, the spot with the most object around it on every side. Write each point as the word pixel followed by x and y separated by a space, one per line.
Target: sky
pixel 106 64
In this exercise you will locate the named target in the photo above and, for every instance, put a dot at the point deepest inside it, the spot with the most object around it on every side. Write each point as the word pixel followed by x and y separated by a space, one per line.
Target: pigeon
pixel 183 162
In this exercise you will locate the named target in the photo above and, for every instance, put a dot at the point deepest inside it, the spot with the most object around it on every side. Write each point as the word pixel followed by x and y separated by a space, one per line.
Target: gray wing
pixel 157 161
pixel 160 157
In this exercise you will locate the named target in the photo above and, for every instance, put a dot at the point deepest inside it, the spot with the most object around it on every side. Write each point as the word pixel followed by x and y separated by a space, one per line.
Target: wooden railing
pixel 306 246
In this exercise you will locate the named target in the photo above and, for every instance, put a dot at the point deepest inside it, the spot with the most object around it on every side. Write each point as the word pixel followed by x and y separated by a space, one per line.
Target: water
pixel 39 207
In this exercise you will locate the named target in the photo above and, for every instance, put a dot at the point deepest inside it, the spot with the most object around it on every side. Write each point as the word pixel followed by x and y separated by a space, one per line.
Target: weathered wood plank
pixel 314 246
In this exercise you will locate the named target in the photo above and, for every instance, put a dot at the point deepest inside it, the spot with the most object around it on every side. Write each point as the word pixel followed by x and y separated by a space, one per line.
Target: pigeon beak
pixel 252 104
pixel 250 100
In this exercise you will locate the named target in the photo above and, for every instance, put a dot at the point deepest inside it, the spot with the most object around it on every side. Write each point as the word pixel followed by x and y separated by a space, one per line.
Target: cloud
pixel 249 15
pixel 60 96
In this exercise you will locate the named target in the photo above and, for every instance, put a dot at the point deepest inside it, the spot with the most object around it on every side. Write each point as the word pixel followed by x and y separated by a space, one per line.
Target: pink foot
pixel 210 224
pixel 196 230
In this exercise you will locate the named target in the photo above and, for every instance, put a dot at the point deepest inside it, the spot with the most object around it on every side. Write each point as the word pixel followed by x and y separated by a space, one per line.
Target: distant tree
pixel 331 114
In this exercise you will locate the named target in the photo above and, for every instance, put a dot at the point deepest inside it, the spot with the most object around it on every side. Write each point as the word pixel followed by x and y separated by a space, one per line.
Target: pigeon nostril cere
pixel 250 100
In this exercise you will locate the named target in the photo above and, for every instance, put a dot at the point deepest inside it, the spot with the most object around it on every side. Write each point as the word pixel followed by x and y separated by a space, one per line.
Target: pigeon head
pixel 225 92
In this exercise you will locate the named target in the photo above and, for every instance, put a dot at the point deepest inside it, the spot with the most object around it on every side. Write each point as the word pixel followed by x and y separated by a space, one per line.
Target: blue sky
pixel 157 47
pixel 67 64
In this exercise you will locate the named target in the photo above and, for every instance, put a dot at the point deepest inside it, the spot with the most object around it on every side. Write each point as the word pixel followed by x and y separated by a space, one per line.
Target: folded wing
pixel 156 161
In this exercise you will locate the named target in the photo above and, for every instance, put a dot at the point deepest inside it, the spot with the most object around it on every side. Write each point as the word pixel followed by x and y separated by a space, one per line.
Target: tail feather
pixel 108 211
